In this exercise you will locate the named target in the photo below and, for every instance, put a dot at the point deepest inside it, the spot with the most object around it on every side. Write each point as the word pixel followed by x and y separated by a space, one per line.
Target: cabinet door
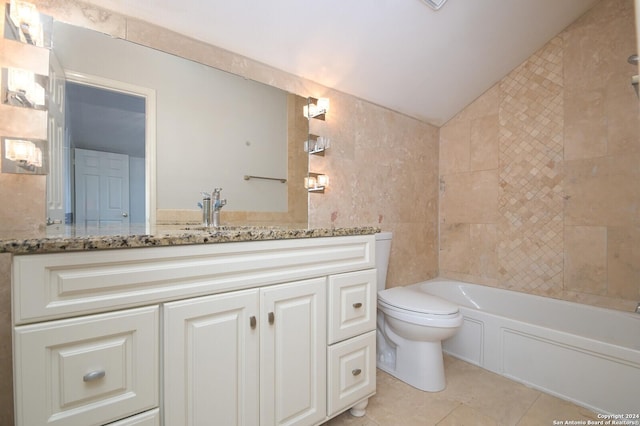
pixel 293 353
pixel 211 360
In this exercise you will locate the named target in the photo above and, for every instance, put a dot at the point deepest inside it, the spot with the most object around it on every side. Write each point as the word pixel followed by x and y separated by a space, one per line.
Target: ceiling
pixel 105 120
pixel 399 54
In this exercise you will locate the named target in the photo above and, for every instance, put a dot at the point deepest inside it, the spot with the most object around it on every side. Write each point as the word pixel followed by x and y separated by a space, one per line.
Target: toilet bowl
pixel 411 327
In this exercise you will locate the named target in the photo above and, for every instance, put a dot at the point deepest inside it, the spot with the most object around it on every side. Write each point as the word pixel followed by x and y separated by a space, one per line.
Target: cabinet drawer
pixel 352 304
pixel 352 372
pixel 148 418
pixel 87 370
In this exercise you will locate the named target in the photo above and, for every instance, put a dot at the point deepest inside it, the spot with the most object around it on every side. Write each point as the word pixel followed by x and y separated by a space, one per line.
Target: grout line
pixel 529 408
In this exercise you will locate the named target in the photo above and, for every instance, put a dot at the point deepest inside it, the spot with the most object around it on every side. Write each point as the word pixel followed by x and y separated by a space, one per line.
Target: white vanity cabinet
pixel 246 333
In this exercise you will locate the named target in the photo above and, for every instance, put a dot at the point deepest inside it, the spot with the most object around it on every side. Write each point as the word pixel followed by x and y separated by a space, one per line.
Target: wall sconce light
pixel 25 156
pixel 316 182
pixel 26 22
pixel 316 108
pixel 23 89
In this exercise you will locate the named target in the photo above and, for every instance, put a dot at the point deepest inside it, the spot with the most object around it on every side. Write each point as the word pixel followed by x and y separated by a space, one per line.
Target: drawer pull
pixel 357 305
pixel 271 318
pixel 252 322
pixel 94 375
pixel 356 372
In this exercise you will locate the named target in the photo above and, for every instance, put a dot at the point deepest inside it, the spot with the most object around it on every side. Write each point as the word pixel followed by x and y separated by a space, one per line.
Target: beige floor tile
pixel 467 416
pixel 492 395
pixel 547 408
pixel 473 397
pixel 346 419
pixel 397 403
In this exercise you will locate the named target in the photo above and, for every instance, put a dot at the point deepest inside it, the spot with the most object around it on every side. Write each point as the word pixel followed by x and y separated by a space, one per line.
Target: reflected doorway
pixel 110 125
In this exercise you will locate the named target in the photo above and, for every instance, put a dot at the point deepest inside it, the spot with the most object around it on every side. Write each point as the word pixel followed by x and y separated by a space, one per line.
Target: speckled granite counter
pixel 67 239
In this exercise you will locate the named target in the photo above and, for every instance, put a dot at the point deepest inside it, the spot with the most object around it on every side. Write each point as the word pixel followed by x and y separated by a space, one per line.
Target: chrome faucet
pixel 211 205
pixel 217 204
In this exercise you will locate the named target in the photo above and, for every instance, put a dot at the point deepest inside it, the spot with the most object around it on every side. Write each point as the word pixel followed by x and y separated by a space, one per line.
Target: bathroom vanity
pixel 249 333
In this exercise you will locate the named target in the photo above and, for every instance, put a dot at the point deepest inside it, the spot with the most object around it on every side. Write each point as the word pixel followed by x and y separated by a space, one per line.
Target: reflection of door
pixel 102 188
pixel 57 193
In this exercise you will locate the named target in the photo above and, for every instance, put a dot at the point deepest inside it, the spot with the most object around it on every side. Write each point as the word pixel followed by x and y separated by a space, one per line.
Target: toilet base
pixel 419 364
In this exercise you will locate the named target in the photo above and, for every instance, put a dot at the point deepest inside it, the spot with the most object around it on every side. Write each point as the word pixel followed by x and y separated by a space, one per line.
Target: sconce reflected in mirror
pixel 316 182
pixel 316 108
pixel 24 156
pixel 23 88
pixel 24 23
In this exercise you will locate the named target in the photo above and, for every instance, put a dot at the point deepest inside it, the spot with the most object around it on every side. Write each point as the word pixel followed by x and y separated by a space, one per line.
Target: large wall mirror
pixel 135 131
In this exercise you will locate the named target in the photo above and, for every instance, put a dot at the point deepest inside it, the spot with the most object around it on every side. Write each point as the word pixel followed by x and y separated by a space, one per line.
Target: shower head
pixel 633 59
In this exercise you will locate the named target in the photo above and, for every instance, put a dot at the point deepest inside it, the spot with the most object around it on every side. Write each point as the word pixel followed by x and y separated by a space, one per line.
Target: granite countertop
pixel 69 238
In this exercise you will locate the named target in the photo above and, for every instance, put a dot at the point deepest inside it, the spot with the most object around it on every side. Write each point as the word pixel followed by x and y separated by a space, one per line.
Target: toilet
pixel 411 325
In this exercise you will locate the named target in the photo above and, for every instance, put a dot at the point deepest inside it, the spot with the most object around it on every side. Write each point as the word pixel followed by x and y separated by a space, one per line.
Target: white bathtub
pixel 584 354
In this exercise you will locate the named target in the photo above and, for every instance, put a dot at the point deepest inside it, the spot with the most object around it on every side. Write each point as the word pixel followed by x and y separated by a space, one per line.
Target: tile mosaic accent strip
pixel 530 202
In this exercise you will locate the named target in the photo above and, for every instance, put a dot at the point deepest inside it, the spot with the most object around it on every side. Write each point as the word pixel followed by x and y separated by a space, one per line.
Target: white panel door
pixel 293 353
pixel 57 192
pixel 102 188
pixel 211 360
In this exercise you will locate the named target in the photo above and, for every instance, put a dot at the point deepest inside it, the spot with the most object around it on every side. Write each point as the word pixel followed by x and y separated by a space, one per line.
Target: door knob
pixel 125 214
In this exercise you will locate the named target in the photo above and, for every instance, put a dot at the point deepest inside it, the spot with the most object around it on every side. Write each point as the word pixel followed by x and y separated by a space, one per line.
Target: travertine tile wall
pixel 539 176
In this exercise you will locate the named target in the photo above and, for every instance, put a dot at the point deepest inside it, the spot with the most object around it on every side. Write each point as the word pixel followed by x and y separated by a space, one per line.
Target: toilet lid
pixel 417 301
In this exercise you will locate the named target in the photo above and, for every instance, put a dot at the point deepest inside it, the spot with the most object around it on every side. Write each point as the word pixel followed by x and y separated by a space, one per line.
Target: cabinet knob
pixel 356 372
pixel 271 317
pixel 357 305
pixel 93 375
pixel 252 321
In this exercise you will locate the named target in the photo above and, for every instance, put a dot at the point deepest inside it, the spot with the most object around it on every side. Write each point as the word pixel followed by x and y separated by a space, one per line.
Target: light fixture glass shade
pixel 24 156
pixel 23 151
pixel 323 180
pixel 310 182
pixel 23 83
pixel 316 182
pixel 323 105
pixel 316 108
pixel 26 18
pixel 435 4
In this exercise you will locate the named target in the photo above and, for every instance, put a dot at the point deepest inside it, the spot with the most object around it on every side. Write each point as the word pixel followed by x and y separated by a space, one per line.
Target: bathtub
pixel 584 354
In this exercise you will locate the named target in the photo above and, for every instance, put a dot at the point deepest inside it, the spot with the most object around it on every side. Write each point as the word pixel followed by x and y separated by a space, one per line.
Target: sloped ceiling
pixel 396 53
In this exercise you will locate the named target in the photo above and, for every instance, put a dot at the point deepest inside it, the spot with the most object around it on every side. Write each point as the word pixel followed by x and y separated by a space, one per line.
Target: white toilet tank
pixel 383 249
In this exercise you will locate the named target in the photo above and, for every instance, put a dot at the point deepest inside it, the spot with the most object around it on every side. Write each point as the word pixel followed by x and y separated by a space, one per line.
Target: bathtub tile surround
pixel 473 397
pixel 530 195
pixel 555 210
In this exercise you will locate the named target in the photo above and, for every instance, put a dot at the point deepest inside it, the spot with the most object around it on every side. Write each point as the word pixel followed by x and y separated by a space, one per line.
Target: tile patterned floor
pixel 473 397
